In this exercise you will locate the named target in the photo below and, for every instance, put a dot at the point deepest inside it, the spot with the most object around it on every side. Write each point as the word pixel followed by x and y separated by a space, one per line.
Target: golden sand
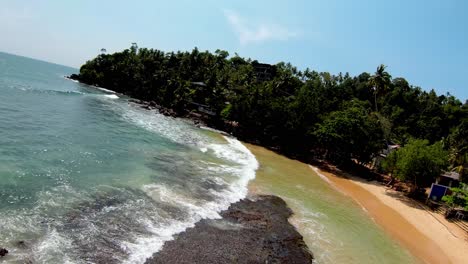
pixel 427 235
pixel 424 235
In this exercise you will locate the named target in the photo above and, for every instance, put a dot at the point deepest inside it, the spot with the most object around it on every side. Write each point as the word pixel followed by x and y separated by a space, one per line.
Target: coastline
pixel 412 235
pixel 252 230
pixel 334 226
pixel 428 236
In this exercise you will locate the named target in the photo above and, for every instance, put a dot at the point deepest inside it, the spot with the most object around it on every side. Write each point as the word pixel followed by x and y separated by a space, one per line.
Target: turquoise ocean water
pixel 86 176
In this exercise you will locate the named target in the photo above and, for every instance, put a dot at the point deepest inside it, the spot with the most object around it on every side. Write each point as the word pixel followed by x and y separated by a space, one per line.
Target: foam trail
pixel 246 165
pixel 111 96
pixel 105 90
pixel 317 171
pixel 240 154
pixel 228 168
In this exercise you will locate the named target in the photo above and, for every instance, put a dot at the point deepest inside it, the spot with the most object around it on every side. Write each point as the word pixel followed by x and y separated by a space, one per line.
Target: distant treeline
pixel 303 113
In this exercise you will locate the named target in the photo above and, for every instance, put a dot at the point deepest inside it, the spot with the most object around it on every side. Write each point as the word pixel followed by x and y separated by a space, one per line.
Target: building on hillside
pixel 377 161
pixel 264 72
pixel 200 84
pixel 443 184
pixel 204 109
pixel 449 179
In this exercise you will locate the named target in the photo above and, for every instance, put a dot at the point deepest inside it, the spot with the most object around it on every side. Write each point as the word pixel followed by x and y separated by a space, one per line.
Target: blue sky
pixel 424 41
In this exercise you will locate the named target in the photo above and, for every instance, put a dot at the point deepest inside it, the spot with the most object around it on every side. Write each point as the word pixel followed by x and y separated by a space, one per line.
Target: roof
pixel 199 83
pixel 452 175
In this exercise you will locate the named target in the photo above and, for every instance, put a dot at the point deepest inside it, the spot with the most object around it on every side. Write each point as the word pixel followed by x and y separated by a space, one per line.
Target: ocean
pixel 88 176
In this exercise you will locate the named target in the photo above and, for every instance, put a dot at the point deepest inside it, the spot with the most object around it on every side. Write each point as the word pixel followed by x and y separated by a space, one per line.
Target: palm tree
pixel 380 82
pixel 459 163
pixel 134 47
pixel 458 141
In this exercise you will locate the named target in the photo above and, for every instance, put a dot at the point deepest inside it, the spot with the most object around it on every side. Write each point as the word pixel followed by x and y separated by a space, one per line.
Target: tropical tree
pixel 389 164
pixel 458 197
pixel 420 163
pixel 458 141
pixel 350 133
pixel 380 82
pixel 300 113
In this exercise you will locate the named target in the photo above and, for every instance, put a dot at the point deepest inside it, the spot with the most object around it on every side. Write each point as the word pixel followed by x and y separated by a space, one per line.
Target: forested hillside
pixel 302 113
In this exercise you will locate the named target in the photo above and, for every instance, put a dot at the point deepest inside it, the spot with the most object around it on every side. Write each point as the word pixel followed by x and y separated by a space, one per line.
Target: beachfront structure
pixel 197 105
pixel 442 185
pixel 205 109
pixel 377 160
pixel 449 179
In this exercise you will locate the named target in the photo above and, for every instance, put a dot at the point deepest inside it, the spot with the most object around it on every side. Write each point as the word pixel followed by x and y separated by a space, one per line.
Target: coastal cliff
pixel 253 230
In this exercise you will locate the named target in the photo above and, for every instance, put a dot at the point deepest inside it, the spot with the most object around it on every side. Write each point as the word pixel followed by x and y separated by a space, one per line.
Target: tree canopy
pixel 350 133
pixel 419 162
pixel 458 197
pixel 305 113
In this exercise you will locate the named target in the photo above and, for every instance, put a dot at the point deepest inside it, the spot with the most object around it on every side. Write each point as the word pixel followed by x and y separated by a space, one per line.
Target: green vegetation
pixel 458 145
pixel 458 197
pixel 352 132
pixel 306 114
pixel 418 162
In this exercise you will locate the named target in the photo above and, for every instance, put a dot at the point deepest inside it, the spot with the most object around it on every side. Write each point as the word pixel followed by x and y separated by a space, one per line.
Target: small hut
pixel 442 185
pixel 449 179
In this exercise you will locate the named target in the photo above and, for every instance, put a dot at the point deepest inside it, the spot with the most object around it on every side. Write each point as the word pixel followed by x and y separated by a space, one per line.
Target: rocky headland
pixel 253 230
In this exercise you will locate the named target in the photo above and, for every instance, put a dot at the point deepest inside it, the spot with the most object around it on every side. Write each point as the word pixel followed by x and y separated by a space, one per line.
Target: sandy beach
pixel 427 235
pixel 334 226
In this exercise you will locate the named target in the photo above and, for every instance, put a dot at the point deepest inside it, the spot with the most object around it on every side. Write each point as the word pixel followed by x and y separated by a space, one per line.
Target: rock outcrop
pixel 250 231
pixel 3 252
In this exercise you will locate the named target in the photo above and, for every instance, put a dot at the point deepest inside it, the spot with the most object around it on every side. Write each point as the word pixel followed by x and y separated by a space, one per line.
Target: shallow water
pixel 336 229
pixel 87 176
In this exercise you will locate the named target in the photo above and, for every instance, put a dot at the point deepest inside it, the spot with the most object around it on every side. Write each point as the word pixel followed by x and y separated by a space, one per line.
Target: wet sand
pixel 428 236
pixel 397 226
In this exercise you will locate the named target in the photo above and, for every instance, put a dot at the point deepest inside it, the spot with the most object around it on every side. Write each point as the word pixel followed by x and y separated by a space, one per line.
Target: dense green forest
pixel 306 114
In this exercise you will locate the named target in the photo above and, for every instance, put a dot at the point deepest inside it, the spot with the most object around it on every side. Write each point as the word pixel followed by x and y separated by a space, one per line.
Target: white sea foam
pixel 236 152
pixel 231 178
pixel 49 245
pixel 105 90
pixel 172 129
pixel 45 251
pixel 47 91
pixel 144 247
pixel 321 175
pixel 111 96
pixel 203 149
pixel 325 178
pixel 244 167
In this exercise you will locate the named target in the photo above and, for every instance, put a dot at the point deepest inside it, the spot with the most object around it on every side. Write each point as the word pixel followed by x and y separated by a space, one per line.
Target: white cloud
pixel 249 32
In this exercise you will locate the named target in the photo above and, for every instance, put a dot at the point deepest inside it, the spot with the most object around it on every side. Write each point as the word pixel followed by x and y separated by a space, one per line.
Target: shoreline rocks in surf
pixel 3 252
pixel 198 118
pixel 254 230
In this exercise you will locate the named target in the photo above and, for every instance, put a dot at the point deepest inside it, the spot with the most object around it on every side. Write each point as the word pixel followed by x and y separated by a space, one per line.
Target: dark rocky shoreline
pixel 3 252
pixel 253 230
